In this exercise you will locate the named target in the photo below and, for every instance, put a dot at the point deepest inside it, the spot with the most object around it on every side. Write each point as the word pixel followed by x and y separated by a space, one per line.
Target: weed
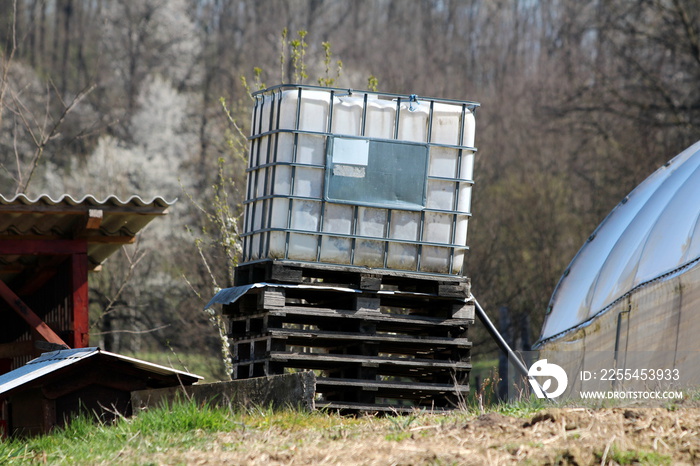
pixel 624 457
pixel 397 436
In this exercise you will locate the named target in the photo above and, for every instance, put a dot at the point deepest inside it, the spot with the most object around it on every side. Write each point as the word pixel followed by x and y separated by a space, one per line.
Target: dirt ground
pixel 555 436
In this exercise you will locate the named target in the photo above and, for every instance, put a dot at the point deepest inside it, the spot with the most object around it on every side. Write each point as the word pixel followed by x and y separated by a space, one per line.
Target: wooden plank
pixel 28 315
pixel 374 407
pixel 89 222
pixel 370 282
pixel 463 311
pixel 16 348
pixel 285 274
pixel 106 376
pixel 40 246
pixel 460 290
pixel 271 298
pixel 287 356
pixel 369 316
pixel 379 272
pixel 97 238
pixel 64 209
pixel 381 338
pixel 390 384
pixel 79 289
pixel 48 414
pixel 47 268
pixel 367 303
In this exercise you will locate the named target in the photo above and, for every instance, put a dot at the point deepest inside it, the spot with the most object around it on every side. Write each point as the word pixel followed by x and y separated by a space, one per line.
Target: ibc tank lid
pixel 349 92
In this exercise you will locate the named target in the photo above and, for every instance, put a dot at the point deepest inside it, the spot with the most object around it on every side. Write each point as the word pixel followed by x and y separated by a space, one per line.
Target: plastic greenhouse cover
pixel 654 231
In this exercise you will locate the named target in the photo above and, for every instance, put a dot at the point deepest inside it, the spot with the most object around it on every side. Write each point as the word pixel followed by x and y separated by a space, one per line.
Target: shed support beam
pixel 79 287
pixel 28 315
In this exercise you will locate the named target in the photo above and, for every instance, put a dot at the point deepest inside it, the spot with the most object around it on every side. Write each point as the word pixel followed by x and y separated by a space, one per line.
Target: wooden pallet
pixel 379 348
pixel 361 278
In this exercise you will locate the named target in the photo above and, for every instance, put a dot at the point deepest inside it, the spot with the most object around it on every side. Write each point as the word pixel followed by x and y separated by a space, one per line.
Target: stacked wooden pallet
pixel 377 341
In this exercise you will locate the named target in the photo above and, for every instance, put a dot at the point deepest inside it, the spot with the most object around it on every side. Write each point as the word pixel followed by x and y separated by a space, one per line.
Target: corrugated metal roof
pixel 51 362
pixel 65 217
pixel 653 232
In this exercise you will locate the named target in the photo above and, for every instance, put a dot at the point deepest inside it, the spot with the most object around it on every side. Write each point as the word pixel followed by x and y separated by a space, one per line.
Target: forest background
pixel 581 100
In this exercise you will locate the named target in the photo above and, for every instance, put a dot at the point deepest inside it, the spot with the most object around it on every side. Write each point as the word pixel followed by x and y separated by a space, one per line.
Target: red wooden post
pixel 79 287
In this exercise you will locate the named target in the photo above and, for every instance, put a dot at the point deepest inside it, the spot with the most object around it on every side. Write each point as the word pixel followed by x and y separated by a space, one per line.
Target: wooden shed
pixel 47 248
pixel 51 389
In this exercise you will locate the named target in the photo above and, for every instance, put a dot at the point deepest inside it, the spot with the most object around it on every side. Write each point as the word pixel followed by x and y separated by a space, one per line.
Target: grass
pixel 83 441
pixel 186 425
pixel 181 426
pixel 629 457
pixel 190 433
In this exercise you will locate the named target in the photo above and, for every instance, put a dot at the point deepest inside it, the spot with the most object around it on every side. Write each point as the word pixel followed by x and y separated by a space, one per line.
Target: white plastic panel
pixel 381 120
pixel 402 256
pixel 413 124
pixel 308 182
pixel 404 225
pixel 311 150
pixel 372 222
pixel 466 170
pixel 447 124
pixel 303 247
pixel 337 218
pixel 305 215
pixel 443 162
pixel 435 259
pixel 441 194
pixel 280 210
pixel 369 253
pixel 336 250
pixel 347 116
pixel 283 180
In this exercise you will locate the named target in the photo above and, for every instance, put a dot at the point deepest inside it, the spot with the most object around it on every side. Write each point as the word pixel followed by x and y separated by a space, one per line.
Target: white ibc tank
pixel 359 179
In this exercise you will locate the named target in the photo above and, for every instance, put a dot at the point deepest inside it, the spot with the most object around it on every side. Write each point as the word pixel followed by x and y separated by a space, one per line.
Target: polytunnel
pixel 631 295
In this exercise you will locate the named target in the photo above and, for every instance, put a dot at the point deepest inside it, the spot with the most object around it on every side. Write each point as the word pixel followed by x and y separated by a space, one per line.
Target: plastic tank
pixel 359 179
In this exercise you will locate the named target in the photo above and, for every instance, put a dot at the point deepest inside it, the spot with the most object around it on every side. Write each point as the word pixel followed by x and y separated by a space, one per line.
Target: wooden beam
pixel 73 210
pixel 46 269
pixel 94 219
pixel 94 238
pixel 106 376
pixel 28 315
pixel 100 239
pixel 90 222
pixel 16 348
pixel 17 247
pixel 79 288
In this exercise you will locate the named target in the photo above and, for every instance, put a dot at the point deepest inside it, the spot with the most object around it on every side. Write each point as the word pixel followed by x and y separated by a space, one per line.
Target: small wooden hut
pixel 47 248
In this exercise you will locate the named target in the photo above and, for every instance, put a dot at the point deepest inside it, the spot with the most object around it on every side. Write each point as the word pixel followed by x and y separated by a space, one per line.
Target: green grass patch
pixel 181 425
pixel 625 457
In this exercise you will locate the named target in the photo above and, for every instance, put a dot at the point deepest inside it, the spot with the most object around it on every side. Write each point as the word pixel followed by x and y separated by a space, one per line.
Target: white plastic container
pixel 323 171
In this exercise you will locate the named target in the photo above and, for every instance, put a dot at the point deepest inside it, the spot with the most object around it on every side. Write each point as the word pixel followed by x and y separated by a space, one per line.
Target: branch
pixel 47 136
pixel 135 332
pixel 133 260
pixel 6 62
